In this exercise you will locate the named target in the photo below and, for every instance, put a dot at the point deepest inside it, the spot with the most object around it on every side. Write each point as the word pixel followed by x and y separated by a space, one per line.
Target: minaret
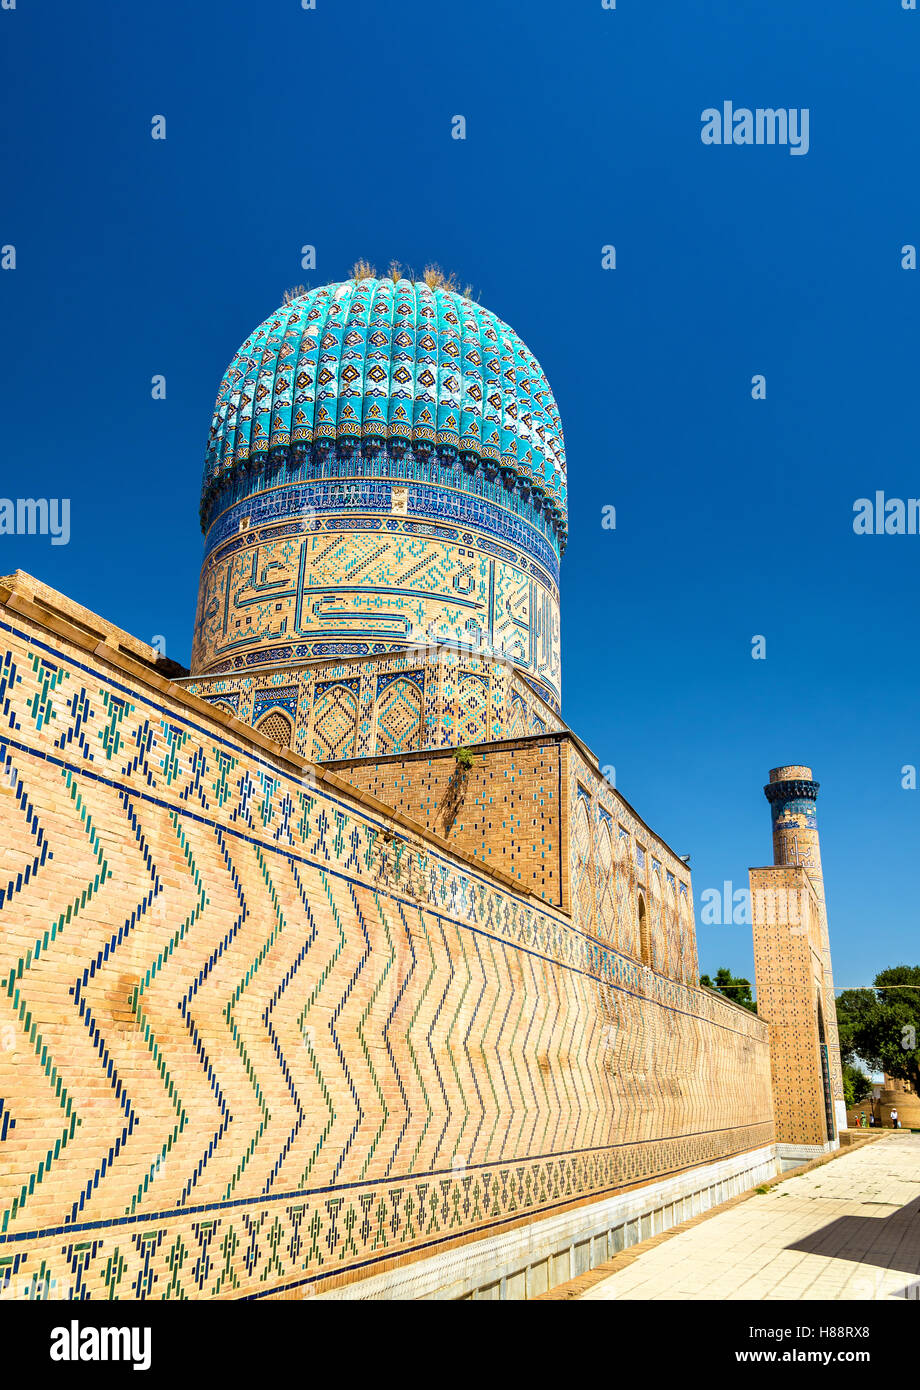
pixel 795 986
pixel 792 794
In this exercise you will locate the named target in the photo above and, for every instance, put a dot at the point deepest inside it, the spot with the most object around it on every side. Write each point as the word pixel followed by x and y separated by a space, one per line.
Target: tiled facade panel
pixel 396 702
pixel 254 1041
pixel 363 585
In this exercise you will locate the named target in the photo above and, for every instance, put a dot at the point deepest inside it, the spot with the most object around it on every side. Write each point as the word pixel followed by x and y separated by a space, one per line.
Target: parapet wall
pixel 539 809
pixel 261 1035
pixel 507 809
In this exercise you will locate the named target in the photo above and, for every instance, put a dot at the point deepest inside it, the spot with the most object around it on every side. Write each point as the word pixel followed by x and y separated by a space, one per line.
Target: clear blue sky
pixel 734 517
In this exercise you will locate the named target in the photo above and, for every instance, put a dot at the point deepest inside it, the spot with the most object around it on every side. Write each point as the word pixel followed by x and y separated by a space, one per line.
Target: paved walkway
pixel 849 1229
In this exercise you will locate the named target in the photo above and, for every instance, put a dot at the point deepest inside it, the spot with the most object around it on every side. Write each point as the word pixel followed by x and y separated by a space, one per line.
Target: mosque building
pixel 334 966
pixel 385 474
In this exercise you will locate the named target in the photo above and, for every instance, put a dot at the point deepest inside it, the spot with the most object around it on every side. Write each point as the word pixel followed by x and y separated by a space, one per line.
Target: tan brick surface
pixel 260 1034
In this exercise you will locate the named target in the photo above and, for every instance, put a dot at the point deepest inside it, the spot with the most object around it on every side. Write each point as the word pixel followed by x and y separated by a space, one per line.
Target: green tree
pixel 856 1085
pixel 881 1026
pixel 736 989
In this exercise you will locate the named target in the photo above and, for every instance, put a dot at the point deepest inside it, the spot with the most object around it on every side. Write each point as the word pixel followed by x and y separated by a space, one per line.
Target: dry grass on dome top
pixel 433 276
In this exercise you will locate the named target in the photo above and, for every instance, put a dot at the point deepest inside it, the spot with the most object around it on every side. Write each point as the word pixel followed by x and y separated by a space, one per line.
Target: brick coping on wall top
pixel 49 607
pixel 55 604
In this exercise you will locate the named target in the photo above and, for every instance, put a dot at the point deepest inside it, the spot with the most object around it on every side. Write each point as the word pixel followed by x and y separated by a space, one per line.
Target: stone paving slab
pixel 846 1230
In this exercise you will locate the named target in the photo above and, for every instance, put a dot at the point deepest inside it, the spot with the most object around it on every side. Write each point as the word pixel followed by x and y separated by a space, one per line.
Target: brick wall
pixel 507 809
pixel 260 1034
pixel 790 977
pixel 539 809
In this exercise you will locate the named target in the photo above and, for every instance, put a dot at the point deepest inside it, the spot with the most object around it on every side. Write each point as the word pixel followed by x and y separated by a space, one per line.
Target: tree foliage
pixel 856 1085
pixel 881 1026
pixel 733 987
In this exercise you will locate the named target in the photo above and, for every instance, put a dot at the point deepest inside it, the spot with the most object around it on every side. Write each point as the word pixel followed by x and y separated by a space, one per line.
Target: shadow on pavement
pixel 888 1242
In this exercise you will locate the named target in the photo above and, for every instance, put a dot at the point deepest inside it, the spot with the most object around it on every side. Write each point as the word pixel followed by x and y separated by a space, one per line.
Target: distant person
pixel 871 1119
pixel 895 1122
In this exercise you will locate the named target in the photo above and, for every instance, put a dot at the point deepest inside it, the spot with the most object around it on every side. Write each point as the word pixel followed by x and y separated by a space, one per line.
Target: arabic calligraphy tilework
pixel 364 592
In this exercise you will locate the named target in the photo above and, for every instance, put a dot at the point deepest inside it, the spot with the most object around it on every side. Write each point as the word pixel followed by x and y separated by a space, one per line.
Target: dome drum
pixel 280 465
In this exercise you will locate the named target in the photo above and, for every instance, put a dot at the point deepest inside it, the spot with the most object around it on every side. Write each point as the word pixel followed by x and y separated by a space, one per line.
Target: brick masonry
pixel 792 962
pixel 262 1034
pixel 539 809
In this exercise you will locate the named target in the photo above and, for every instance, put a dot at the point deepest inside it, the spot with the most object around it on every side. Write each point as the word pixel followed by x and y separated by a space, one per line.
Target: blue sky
pixel 331 127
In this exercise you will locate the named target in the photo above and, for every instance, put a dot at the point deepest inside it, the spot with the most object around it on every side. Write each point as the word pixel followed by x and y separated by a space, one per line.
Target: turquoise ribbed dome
pixel 395 364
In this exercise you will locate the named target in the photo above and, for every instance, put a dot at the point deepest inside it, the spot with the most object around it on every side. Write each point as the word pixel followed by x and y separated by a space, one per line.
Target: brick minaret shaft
pixel 792 793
